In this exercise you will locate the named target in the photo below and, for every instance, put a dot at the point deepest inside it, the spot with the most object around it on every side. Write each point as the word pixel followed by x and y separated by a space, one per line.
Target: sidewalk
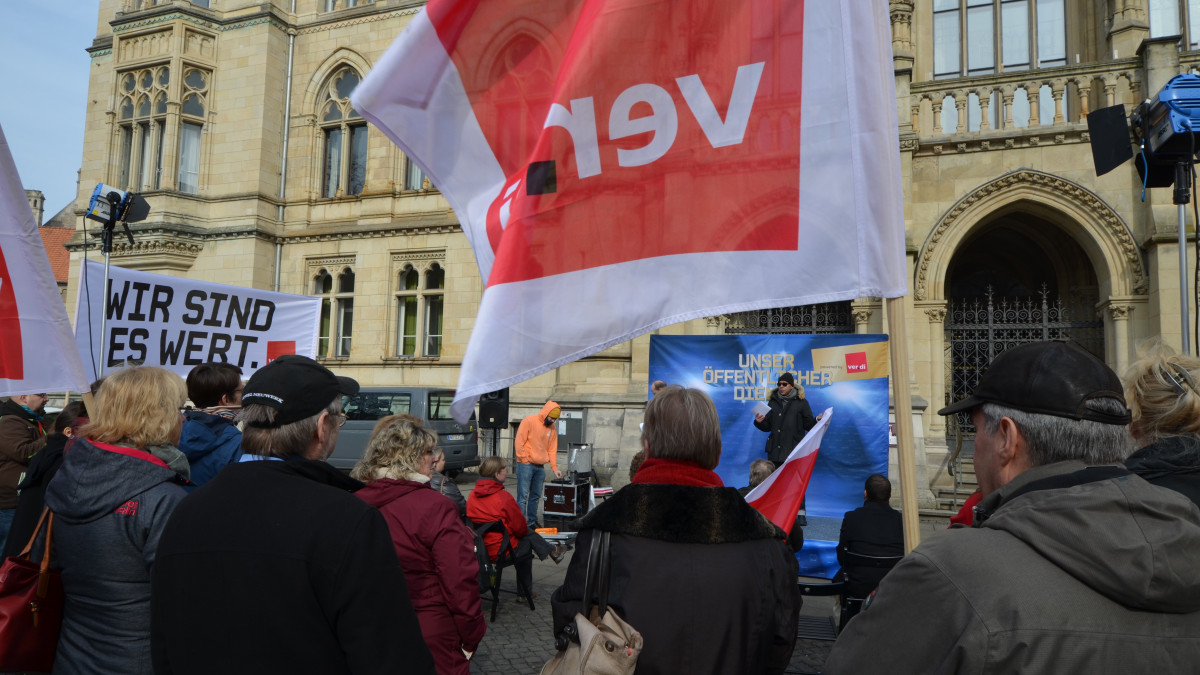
pixel 520 641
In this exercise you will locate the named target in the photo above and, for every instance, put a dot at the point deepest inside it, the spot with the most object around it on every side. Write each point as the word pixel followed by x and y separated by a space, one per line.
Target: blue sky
pixel 44 83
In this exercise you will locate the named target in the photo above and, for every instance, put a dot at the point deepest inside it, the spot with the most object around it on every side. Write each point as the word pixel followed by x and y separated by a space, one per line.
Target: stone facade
pixel 253 202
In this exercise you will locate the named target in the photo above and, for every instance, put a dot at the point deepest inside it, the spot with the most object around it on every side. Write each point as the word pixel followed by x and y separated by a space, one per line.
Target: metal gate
pixel 833 317
pixel 980 329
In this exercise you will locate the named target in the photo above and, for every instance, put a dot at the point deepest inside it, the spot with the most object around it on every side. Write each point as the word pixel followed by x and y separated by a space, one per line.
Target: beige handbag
pixel 603 643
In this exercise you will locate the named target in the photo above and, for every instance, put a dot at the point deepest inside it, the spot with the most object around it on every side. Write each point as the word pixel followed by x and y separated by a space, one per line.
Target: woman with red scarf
pixel 705 578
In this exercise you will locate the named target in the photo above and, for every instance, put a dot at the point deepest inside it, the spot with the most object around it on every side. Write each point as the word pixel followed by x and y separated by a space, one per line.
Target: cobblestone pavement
pixel 520 641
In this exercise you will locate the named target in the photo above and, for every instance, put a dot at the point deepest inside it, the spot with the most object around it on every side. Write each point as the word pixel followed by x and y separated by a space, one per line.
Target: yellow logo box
pixel 853 362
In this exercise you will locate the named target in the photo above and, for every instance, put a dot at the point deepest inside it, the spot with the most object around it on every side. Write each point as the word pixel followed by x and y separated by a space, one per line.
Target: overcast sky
pixel 44 83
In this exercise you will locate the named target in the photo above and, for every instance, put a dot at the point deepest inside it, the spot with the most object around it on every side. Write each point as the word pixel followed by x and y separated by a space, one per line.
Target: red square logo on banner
pixel 277 348
pixel 856 362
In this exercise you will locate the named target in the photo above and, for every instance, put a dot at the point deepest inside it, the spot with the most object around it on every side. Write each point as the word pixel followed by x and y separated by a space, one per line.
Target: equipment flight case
pixel 564 501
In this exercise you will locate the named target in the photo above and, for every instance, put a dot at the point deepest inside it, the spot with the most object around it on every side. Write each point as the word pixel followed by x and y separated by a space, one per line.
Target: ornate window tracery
pixel 344 134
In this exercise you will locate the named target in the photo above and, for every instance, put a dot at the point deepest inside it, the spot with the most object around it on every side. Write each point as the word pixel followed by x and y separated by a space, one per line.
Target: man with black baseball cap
pixel 274 566
pixel 1073 563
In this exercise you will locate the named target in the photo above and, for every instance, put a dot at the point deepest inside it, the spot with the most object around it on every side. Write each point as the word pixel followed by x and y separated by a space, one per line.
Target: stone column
pixel 862 319
pixel 1118 311
pixel 936 313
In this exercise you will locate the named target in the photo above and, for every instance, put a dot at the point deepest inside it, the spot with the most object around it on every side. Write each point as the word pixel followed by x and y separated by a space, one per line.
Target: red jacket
pixel 489 501
pixel 437 553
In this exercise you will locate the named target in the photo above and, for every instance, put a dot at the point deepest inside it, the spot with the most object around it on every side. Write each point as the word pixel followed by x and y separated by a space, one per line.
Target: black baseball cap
pixel 1047 378
pixel 297 386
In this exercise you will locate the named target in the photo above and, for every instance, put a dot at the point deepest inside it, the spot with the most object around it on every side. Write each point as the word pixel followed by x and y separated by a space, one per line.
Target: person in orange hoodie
pixel 537 443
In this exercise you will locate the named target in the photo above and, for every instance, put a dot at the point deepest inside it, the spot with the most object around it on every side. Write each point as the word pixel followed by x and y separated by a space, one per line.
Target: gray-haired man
pixel 1073 565
pixel 274 566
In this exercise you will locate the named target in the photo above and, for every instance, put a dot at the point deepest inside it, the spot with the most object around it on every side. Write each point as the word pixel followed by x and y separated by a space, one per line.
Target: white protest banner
pixel 36 355
pixel 632 165
pixel 178 324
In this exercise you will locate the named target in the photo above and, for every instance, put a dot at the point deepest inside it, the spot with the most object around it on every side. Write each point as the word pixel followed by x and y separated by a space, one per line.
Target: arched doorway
pixel 1014 279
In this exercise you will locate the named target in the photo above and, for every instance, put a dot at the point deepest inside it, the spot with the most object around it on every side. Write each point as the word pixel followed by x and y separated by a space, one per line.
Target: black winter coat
pixel 873 529
pixel 705 578
pixel 1171 463
pixel 275 567
pixel 789 420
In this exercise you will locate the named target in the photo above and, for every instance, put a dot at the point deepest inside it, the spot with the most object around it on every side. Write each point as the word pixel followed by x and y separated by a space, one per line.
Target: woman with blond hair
pixel 435 549
pixel 1164 399
pixel 119 482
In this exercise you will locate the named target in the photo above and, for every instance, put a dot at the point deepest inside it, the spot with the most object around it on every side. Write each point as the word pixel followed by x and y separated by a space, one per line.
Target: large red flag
pixel 36 350
pixel 622 165
pixel 780 495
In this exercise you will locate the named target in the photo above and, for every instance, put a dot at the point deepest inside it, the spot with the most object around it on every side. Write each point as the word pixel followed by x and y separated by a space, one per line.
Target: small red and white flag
pixel 622 165
pixel 779 496
pixel 37 352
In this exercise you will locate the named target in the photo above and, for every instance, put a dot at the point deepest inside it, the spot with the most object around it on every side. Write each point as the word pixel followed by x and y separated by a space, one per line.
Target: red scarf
pixel 676 472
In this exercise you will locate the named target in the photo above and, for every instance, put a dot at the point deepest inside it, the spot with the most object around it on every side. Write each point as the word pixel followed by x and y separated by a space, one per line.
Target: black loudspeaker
pixel 493 410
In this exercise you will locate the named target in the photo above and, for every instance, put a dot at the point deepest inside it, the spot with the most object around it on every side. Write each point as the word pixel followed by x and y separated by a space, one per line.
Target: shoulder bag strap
pixel 29 545
pixel 593 570
pixel 44 570
pixel 605 569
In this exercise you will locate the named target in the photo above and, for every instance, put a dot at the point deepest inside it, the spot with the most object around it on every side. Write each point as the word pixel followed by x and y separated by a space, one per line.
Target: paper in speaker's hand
pixel 761 408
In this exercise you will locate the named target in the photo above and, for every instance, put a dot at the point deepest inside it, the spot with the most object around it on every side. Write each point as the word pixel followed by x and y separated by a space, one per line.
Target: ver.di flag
pixel 36 345
pixel 622 165
pixel 779 496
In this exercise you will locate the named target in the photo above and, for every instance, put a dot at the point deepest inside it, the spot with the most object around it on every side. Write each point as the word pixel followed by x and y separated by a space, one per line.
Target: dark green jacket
pixel 1075 570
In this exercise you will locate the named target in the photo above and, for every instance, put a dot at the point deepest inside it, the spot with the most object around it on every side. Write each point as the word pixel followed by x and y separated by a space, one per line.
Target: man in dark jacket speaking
pixel 1073 564
pixel 789 419
pixel 274 566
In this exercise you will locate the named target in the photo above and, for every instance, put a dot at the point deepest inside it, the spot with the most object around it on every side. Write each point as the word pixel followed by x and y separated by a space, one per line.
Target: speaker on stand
pixel 493 414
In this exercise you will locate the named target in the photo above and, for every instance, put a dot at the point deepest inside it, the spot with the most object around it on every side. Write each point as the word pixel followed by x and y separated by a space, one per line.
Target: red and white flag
pixel 623 165
pixel 37 347
pixel 779 496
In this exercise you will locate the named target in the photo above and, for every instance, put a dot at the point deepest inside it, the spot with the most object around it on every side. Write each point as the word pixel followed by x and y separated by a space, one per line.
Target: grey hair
pixel 285 441
pixel 1051 439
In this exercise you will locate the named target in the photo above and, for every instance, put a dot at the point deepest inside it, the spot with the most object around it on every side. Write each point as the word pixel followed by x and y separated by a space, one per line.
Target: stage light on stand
pixel 108 205
pixel 1164 130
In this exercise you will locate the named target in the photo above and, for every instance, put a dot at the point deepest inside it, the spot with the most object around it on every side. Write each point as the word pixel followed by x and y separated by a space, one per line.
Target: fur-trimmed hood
pixel 680 514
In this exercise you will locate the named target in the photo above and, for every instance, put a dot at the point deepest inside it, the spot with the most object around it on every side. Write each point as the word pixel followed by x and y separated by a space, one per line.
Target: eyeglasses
pixel 341 418
pixel 784 384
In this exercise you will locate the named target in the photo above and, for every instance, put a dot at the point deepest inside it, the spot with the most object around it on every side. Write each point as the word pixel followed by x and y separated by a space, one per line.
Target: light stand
pixel 1182 195
pixel 107 206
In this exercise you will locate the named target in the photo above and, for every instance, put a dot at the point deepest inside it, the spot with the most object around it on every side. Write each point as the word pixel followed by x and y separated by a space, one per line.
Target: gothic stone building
pixel 232 118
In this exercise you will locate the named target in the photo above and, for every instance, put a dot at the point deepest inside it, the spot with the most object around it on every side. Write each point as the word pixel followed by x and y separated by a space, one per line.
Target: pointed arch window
pixel 195 90
pixel 336 291
pixel 344 135
pixel 420 305
pixel 141 122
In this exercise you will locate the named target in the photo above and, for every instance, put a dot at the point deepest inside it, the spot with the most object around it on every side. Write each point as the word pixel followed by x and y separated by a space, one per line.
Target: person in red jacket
pixel 488 502
pixel 435 548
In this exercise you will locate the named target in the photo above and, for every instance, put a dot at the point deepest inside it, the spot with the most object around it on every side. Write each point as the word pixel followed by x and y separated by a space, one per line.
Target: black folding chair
pixel 852 605
pixel 505 557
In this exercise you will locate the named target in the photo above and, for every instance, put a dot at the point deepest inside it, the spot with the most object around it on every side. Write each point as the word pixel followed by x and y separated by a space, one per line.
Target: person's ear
pixel 646 447
pixel 1012 453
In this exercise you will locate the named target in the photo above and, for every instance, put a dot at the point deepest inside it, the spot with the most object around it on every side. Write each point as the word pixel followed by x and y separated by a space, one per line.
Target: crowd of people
pixel 223 522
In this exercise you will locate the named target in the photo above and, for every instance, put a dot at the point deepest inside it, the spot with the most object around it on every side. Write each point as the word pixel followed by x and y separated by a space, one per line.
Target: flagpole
pixel 898 352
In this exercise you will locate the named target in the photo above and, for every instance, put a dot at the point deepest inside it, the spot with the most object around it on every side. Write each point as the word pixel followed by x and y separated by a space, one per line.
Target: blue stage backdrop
pixel 848 373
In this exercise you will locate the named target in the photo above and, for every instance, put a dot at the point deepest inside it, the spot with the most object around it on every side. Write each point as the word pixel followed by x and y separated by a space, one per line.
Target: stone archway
pixel 1072 214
